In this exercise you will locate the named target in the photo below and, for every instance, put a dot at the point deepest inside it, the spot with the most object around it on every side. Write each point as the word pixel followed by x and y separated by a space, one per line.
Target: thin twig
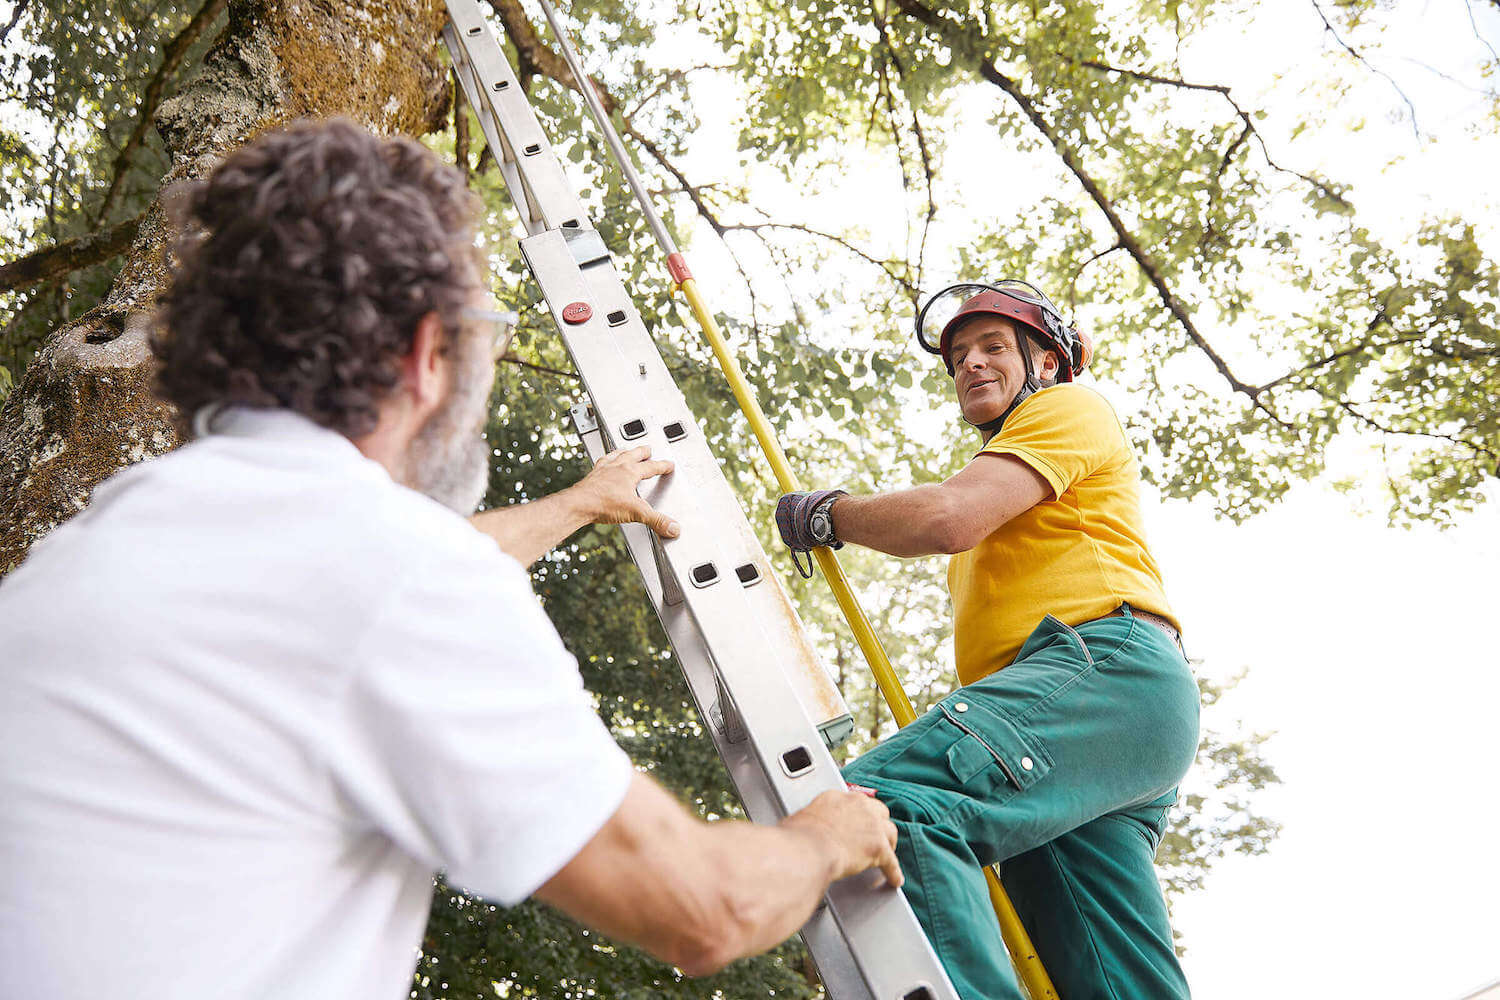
pixel 885 265
pixel 1078 272
pixel 513 360
pixel 1323 187
pixel 1384 428
pixel 1328 26
pixel 1469 9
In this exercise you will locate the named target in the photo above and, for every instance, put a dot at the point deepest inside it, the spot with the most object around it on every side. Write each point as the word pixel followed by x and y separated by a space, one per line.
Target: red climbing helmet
pixel 1014 300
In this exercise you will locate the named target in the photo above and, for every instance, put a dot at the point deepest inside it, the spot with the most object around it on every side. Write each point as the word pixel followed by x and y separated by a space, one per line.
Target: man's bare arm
pixel 700 895
pixel 943 518
pixel 607 495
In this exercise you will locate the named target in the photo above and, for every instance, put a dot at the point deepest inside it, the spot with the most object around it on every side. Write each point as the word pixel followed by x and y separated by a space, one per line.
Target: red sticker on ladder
pixel 577 312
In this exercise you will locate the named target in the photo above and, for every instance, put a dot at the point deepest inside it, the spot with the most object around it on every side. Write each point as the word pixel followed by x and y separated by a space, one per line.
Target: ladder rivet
pixel 643 369
pixel 1026 764
pixel 960 706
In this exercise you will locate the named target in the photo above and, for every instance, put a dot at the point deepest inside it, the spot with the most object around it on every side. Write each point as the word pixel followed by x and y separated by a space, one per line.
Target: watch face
pixel 821 526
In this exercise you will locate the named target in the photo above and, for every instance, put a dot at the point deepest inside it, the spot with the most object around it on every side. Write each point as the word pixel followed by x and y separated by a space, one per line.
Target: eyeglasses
pixel 504 328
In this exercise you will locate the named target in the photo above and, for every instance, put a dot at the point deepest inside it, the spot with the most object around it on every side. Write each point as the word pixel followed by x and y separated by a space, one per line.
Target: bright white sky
pixel 1367 646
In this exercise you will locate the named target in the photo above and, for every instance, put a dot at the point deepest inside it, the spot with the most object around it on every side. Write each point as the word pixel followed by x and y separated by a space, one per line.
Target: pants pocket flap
pixel 968 757
pixel 1020 754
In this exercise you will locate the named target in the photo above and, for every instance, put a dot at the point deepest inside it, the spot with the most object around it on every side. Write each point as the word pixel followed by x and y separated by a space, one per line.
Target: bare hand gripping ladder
pixel 771 708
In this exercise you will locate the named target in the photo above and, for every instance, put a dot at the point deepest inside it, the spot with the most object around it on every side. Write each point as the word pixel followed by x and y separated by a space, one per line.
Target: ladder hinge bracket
pixel 586 245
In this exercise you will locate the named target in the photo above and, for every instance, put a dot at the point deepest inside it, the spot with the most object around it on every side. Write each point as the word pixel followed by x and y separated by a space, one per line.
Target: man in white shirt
pixel 263 687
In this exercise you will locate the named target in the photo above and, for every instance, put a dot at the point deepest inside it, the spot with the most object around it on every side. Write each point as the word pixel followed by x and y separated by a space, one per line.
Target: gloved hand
pixel 793 516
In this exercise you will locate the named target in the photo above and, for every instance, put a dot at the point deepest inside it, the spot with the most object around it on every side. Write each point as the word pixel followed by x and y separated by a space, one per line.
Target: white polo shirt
pixel 253 697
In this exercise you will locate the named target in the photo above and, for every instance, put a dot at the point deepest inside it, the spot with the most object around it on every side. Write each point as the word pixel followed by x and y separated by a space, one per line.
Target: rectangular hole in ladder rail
pixel 533 149
pixel 796 762
pixel 475 30
pixel 616 318
pixel 502 84
pixel 632 429
pixel 748 575
pixel 923 992
pixel 572 224
pixel 674 431
pixel 704 574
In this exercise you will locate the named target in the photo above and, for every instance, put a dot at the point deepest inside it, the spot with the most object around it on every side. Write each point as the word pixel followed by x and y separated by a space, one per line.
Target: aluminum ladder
pixel 766 700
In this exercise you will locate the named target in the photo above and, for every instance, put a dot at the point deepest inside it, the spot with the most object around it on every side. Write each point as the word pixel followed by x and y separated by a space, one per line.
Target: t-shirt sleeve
pixel 1065 432
pixel 467 737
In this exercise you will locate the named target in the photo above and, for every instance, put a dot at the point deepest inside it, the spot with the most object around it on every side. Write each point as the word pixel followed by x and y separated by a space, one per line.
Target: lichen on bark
pixel 85 408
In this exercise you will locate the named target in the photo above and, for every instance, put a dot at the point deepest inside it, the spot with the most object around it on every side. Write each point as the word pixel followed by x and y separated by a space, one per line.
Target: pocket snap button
pixel 960 706
pixel 1026 764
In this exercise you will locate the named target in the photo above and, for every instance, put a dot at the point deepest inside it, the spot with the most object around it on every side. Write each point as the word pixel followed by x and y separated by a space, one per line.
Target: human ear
pixel 425 366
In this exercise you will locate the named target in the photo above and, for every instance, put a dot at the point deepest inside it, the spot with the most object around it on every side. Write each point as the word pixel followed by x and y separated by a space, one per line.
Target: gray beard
pixel 449 460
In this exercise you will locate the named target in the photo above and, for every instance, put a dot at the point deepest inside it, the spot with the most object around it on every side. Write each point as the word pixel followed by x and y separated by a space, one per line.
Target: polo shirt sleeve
pixel 467 737
pixel 1065 432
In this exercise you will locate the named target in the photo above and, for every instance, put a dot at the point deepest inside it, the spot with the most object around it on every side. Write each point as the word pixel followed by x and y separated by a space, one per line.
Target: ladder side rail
pixel 546 199
pixel 825 939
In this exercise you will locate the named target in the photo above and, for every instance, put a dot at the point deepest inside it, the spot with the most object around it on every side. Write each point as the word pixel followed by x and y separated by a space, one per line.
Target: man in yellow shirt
pixel 1060 754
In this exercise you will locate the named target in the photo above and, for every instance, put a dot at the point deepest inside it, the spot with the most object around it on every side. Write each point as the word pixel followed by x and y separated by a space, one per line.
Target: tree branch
pixel 921 137
pixel 884 265
pixel 513 360
pixel 950 32
pixel 1323 187
pixel 1410 107
pixel 172 58
pixel 461 132
pixel 68 256
pixel 1126 238
pixel 537 55
pixel 15 19
pixel 1384 428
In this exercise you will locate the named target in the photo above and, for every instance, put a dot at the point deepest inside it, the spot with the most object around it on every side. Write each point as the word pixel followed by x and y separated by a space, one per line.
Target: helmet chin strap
pixel 990 427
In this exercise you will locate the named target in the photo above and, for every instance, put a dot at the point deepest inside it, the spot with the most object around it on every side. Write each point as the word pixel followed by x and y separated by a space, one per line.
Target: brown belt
pixel 1147 616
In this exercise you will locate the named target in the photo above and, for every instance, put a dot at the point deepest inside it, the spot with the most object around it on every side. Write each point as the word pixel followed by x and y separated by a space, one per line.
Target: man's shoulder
pixel 1072 397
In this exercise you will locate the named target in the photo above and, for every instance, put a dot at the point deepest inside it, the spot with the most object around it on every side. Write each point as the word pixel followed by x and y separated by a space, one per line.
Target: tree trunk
pixel 85 407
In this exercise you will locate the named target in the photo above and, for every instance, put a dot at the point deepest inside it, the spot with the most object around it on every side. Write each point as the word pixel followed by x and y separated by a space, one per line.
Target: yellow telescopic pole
pixel 1028 966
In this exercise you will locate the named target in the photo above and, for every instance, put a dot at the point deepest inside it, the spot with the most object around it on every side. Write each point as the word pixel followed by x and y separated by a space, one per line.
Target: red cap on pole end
pixel 677 268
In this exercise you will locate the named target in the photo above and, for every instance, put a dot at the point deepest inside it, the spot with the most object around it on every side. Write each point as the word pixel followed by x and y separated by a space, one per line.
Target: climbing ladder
pixel 770 706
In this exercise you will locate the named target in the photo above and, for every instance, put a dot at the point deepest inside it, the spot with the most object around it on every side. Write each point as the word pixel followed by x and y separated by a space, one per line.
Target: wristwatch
pixel 820 522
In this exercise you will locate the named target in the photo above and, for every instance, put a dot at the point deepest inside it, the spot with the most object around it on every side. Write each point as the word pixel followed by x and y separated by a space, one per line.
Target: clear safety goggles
pixel 1031 304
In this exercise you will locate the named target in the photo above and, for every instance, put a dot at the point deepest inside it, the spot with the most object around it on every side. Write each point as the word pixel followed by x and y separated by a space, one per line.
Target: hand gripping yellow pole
pixel 1023 954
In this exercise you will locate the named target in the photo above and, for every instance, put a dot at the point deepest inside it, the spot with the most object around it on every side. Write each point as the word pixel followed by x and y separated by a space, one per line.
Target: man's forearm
pixel 914 522
pixel 528 531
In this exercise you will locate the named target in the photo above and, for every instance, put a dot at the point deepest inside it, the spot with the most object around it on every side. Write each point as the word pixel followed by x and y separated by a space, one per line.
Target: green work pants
pixel 1061 767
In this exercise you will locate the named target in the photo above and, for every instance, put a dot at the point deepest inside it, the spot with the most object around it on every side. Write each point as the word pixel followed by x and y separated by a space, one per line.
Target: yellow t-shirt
pixel 1077 555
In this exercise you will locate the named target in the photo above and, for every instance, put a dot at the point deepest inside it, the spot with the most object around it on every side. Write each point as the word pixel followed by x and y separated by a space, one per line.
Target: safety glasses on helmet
pixel 1018 301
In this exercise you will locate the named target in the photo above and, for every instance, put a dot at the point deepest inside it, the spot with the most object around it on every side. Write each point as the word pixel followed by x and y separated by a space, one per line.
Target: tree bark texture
pixel 85 407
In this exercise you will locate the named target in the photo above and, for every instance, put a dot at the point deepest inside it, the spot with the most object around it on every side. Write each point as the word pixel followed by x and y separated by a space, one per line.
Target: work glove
pixel 794 513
